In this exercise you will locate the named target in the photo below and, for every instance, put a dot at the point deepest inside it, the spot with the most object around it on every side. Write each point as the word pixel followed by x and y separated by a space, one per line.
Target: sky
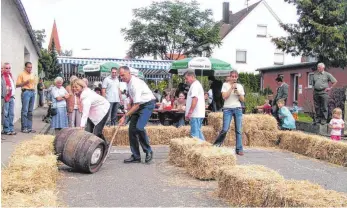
pixel 96 24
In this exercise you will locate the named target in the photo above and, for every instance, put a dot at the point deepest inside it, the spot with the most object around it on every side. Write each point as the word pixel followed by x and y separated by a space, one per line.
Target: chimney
pixel 226 13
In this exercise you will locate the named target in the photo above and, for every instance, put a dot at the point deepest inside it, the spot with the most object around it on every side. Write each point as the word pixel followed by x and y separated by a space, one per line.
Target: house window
pixel 241 56
pixel 279 58
pixel 261 31
pixel 310 80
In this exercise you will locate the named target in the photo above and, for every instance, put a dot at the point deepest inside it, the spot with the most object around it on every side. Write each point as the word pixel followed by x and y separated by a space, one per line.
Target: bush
pixel 48 83
pixel 252 100
pixel 337 100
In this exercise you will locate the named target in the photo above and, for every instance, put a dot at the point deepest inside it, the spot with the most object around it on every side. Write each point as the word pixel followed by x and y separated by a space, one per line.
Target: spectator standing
pixel 26 81
pixel 233 94
pixel 7 94
pixel 40 88
pixel 216 87
pixel 195 105
pixel 282 93
pixel 59 97
pixel 74 107
pixel 111 91
pixel 321 80
pixel 336 124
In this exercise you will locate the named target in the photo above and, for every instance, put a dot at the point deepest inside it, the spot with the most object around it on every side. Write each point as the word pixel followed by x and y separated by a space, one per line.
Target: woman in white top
pixel 94 108
pixel 233 94
pixel 166 102
pixel 59 96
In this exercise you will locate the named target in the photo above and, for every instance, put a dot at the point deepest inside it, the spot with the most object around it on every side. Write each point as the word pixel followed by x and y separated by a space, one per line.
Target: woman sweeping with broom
pixel 94 109
pixel 233 94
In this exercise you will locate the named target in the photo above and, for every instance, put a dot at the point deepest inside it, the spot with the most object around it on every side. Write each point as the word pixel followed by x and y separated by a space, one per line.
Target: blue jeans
pixel 8 115
pixel 28 99
pixel 137 132
pixel 113 112
pixel 228 114
pixel 195 128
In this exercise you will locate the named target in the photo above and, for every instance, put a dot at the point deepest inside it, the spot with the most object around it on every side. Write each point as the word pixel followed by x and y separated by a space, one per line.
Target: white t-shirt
pixel 165 103
pixel 339 122
pixel 197 91
pixel 139 91
pixel 233 100
pixel 112 87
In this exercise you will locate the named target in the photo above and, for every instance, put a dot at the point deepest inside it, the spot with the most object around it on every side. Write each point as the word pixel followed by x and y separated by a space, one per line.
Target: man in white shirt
pixel 111 91
pixel 195 105
pixel 143 102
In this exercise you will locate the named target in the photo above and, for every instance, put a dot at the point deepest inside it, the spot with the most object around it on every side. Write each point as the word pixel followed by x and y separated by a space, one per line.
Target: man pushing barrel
pixel 143 102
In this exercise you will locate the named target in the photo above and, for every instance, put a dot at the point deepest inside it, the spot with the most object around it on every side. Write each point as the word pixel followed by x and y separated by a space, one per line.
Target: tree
pixel 321 31
pixel 167 28
pixel 45 61
pixel 54 68
pixel 66 53
pixel 40 37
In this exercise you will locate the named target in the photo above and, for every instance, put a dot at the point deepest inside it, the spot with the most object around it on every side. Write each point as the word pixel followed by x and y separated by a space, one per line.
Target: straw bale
pixel 42 198
pixel 40 145
pixel 314 146
pixel 245 185
pixel 292 193
pixel 204 162
pixel 179 148
pixel 29 174
pixel 262 138
pixel 250 122
pixel 158 135
pixel 208 132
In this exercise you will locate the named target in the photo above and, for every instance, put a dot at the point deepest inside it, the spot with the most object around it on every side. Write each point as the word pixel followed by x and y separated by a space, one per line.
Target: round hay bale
pixel 204 162
pixel 29 174
pixel 179 148
pixel 292 193
pixel 244 185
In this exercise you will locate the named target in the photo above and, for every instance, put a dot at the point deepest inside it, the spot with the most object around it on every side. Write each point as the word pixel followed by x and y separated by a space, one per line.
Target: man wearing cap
pixel 26 81
pixel 321 88
pixel 282 93
pixel 143 102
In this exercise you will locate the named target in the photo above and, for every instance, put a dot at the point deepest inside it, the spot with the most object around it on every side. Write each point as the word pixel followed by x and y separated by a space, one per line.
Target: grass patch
pixel 304 118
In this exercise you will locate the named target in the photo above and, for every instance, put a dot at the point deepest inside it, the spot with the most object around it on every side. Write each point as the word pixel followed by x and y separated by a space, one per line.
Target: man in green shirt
pixel 321 88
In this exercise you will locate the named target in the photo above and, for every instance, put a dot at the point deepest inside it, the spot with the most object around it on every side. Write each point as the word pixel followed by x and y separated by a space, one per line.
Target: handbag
pixel 54 110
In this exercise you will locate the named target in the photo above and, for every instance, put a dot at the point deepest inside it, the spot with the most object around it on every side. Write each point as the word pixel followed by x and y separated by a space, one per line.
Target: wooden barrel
pixel 80 149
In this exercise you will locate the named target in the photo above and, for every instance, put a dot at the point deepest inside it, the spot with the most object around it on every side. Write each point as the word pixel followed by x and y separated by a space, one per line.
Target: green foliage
pixel 172 27
pixel 45 61
pixel 267 91
pixel 252 100
pixel 321 32
pixel 250 81
pixel 161 85
pixel 54 68
pixel 304 118
pixel 40 37
pixel 48 83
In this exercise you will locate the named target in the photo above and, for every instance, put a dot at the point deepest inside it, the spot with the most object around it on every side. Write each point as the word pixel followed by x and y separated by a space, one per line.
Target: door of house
pixel 296 87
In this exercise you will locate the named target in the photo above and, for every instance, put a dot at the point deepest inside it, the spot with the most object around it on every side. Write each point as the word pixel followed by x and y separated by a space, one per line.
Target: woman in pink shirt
pixel 94 108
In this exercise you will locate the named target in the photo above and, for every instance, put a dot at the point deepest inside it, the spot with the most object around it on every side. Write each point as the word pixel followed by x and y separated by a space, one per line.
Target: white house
pixel 246 40
pixel 18 43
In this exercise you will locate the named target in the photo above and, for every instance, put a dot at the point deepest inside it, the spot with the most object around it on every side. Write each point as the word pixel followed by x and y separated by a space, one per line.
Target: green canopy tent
pixel 99 69
pixel 203 66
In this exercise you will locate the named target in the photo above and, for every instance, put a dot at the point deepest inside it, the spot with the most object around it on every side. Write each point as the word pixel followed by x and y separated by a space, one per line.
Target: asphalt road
pixel 162 185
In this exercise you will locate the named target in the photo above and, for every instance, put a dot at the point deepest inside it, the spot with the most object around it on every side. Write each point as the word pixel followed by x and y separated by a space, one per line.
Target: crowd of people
pixel 76 105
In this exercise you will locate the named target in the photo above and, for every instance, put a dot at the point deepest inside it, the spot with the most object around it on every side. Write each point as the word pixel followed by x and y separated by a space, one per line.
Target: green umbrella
pixel 203 66
pixel 100 67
